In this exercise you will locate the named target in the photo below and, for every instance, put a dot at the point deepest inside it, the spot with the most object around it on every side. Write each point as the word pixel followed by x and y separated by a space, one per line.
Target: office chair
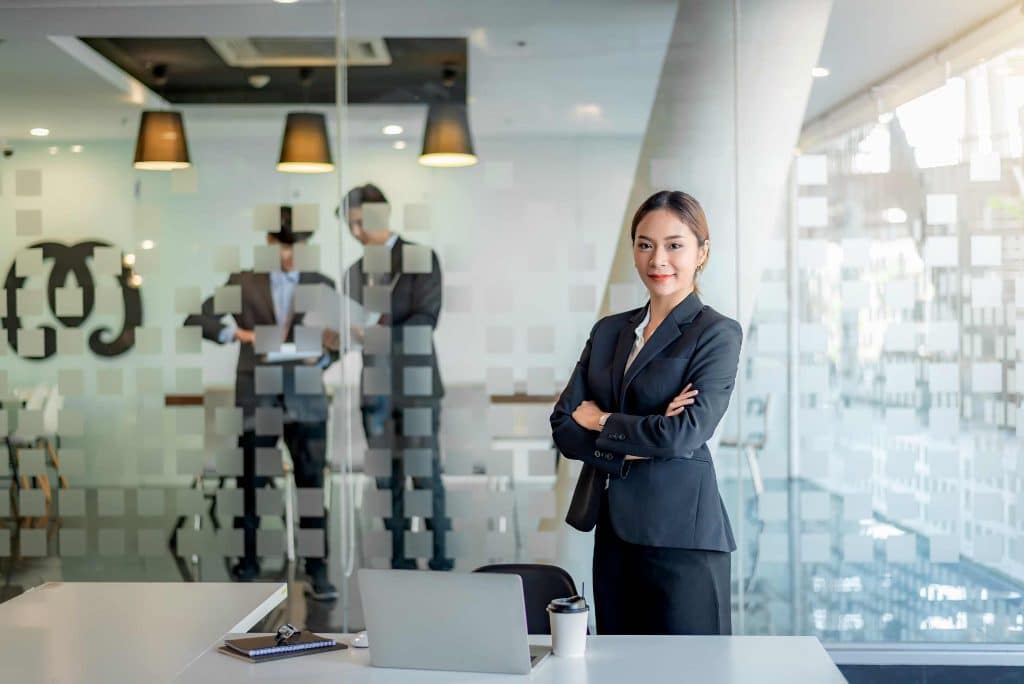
pixel 541 583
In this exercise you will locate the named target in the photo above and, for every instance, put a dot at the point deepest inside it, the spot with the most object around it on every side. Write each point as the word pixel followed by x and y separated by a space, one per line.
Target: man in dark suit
pixel 398 284
pixel 279 398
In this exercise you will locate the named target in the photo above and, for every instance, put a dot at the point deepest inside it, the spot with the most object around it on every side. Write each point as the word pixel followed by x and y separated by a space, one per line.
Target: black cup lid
pixel 573 604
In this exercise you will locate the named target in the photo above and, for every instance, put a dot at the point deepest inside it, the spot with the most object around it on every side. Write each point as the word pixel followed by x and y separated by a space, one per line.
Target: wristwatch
pixel 601 421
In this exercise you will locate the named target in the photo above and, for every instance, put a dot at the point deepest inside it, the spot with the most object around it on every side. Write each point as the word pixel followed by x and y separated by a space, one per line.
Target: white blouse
pixel 639 343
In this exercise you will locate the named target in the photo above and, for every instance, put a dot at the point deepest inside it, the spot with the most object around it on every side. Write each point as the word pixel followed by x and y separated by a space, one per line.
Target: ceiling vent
pixel 295 52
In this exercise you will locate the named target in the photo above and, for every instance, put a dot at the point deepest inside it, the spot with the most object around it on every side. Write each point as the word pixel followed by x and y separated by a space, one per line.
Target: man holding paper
pixel 398 285
pixel 278 383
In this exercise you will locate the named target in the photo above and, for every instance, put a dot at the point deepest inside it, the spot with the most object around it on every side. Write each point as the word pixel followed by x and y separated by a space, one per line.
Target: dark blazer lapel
pixel 623 347
pixel 670 329
pixel 264 298
pixel 396 259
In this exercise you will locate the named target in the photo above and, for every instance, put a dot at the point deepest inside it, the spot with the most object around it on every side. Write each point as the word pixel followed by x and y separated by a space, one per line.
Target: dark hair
pixel 363 193
pixel 686 209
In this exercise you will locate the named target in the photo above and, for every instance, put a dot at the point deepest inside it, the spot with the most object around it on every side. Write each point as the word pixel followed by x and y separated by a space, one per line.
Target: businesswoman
pixel 646 395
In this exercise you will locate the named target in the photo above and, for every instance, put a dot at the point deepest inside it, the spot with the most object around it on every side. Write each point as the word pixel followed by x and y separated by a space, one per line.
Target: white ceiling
pixel 867 40
pixel 587 66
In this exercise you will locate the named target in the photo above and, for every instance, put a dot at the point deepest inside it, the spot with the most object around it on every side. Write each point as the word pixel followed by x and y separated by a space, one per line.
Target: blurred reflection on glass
pixel 398 285
pixel 277 382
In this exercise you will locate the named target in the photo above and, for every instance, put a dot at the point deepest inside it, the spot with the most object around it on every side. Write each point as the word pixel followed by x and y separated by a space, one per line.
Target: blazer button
pixel 597 453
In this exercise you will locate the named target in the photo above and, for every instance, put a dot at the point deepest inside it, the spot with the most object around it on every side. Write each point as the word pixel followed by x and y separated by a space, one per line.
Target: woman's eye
pixel 676 245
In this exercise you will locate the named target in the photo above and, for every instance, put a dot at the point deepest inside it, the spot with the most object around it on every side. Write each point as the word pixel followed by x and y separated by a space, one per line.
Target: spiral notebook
pixel 258 649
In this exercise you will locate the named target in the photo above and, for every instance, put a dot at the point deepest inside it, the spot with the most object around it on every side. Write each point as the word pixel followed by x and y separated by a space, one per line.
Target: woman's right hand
pixel 681 401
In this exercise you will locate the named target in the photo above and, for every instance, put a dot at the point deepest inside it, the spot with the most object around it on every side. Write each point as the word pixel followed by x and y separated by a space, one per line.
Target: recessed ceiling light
pixel 286 2
pixel 820 72
pixel 398 144
pixel 128 259
pixel 40 132
pixel 53 150
pixel 392 129
pixel 147 244
pixel 76 148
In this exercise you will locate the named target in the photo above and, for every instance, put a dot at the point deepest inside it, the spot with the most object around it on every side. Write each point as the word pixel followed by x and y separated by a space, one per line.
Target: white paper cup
pixel 569 633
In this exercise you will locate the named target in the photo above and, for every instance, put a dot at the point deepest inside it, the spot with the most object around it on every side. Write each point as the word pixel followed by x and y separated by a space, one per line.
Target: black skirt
pixel 658 590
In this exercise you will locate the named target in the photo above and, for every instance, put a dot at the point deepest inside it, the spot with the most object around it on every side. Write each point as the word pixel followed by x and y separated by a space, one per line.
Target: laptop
pixel 470 622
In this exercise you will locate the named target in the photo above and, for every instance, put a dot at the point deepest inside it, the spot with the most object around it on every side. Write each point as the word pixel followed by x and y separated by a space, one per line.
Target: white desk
pixel 123 632
pixel 612 659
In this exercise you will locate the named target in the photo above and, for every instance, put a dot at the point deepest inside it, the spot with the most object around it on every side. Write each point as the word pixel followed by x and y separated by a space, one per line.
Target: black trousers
pixel 307 444
pixel 658 590
pixel 383 425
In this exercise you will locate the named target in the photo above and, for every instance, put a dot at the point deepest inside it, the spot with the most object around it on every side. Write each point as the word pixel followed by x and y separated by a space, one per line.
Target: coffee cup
pixel 569 617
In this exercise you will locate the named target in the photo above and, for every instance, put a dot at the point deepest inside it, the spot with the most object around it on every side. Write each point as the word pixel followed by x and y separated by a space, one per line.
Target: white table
pixel 612 659
pixel 123 631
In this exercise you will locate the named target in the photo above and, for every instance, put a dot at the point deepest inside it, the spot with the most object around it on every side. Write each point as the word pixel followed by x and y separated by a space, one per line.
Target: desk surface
pixel 612 659
pixel 123 632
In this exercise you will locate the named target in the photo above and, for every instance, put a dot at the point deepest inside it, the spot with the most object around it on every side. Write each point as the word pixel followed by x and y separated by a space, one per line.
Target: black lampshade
pixel 446 139
pixel 305 147
pixel 161 144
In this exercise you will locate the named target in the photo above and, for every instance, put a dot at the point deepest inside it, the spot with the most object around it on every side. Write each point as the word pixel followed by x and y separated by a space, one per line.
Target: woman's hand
pixel 681 401
pixel 587 415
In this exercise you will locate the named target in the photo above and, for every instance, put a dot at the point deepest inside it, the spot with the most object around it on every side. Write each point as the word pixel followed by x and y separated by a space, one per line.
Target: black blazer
pixel 415 301
pixel 672 499
pixel 258 309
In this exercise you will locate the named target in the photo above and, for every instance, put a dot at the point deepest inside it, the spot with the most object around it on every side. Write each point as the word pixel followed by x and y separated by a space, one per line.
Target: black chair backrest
pixel 541 583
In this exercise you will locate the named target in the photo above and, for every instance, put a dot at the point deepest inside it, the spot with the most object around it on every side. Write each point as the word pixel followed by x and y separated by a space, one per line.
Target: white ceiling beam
pixel 134 91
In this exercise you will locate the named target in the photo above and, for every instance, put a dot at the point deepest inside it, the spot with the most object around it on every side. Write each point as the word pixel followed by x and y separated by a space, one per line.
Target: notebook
pixel 263 648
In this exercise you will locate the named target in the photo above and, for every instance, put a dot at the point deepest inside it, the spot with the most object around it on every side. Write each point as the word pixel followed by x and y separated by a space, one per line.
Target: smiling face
pixel 667 254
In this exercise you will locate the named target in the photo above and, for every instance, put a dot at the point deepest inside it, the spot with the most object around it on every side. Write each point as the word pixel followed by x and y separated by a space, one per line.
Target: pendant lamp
pixel 161 143
pixel 447 141
pixel 305 147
